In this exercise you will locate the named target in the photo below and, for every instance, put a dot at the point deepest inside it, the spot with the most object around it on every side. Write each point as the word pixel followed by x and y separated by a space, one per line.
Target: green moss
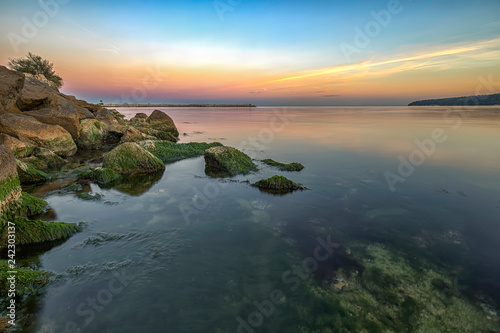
pixel 169 152
pixel 27 280
pixel 129 158
pixel 102 176
pixel 29 175
pixel 89 197
pixel 37 231
pixel 295 166
pixel 227 160
pixel 43 159
pixel 278 184
pixel 31 206
pixel 159 134
pixel 8 185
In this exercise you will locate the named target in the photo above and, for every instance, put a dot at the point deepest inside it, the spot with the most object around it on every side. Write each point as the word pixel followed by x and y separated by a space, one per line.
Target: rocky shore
pixel 61 144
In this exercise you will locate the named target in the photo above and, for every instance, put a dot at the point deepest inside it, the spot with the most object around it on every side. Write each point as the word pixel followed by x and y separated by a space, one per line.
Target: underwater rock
pixel 101 176
pixel 278 184
pixel 225 160
pixel 294 166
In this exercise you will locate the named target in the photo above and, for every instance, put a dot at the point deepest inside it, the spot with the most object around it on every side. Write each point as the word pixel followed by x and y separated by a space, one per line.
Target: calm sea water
pixel 183 252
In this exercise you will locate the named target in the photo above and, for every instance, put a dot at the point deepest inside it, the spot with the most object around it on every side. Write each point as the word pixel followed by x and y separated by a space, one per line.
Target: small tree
pixel 34 64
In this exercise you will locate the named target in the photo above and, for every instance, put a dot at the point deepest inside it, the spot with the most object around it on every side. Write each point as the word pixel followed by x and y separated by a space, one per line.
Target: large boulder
pixel 11 84
pixel 10 189
pixel 20 148
pixel 227 160
pixel 91 107
pixel 28 129
pixel 159 120
pixel 92 134
pixel 37 94
pixel 130 158
pixel 63 115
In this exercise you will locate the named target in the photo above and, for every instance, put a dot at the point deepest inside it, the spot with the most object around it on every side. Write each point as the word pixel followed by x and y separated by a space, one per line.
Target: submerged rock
pixel 295 166
pixel 168 151
pixel 101 176
pixel 227 160
pixel 130 158
pixel 278 184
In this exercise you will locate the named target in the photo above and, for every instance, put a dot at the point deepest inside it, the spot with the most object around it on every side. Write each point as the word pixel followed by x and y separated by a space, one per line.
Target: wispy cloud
pixel 408 62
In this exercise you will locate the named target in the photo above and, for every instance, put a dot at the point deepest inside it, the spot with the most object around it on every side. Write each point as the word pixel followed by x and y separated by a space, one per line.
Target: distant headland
pixel 493 99
pixel 182 105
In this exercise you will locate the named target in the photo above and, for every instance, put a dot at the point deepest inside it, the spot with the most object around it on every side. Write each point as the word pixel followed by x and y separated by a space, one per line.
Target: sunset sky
pixel 262 52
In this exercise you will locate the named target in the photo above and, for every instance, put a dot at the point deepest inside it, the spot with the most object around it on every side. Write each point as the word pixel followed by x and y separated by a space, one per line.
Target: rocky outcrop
pixel 63 115
pixel 10 189
pixel 134 135
pixel 20 148
pixel 159 120
pixel 29 129
pixel 130 158
pixel 139 117
pixel 11 84
pixel 227 161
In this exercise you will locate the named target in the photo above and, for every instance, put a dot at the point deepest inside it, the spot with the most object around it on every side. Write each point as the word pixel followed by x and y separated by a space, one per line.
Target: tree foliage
pixel 35 65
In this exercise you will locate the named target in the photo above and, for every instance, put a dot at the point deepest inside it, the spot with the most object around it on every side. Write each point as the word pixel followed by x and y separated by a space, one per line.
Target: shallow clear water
pixel 189 253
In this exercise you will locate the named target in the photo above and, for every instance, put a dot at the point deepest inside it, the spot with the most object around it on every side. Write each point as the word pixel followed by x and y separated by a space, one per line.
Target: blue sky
pixel 242 51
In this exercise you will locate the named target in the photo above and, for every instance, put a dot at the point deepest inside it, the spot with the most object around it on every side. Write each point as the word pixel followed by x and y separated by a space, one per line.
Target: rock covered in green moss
pixel 27 280
pixel 43 159
pixel 168 151
pixel 158 134
pixel 37 231
pixel 31 206
pixel 89 197
pixel 159 120
pixel 134 135
pixel 92 134
pixel 29 175
pixel 294 166
pixel 101 176
pixel 130 158
pixel 227 160
pixel 10 187
pixel 278 184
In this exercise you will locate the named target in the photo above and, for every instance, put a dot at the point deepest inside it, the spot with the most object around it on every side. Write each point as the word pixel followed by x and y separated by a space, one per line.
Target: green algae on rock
pixel 29 175
pixel 159 120
pixel 169 152
pixel 92 133
pixel 130 158
pixel 294 166
pixel 37 231
pixel 27 280
pixel 43 159
pixel 225 160
pixel 89 197
pixel 31 206
pixel 101 176
pixel 278 184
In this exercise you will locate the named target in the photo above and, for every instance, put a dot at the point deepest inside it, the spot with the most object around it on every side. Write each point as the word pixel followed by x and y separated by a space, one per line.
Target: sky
pixel 260 51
